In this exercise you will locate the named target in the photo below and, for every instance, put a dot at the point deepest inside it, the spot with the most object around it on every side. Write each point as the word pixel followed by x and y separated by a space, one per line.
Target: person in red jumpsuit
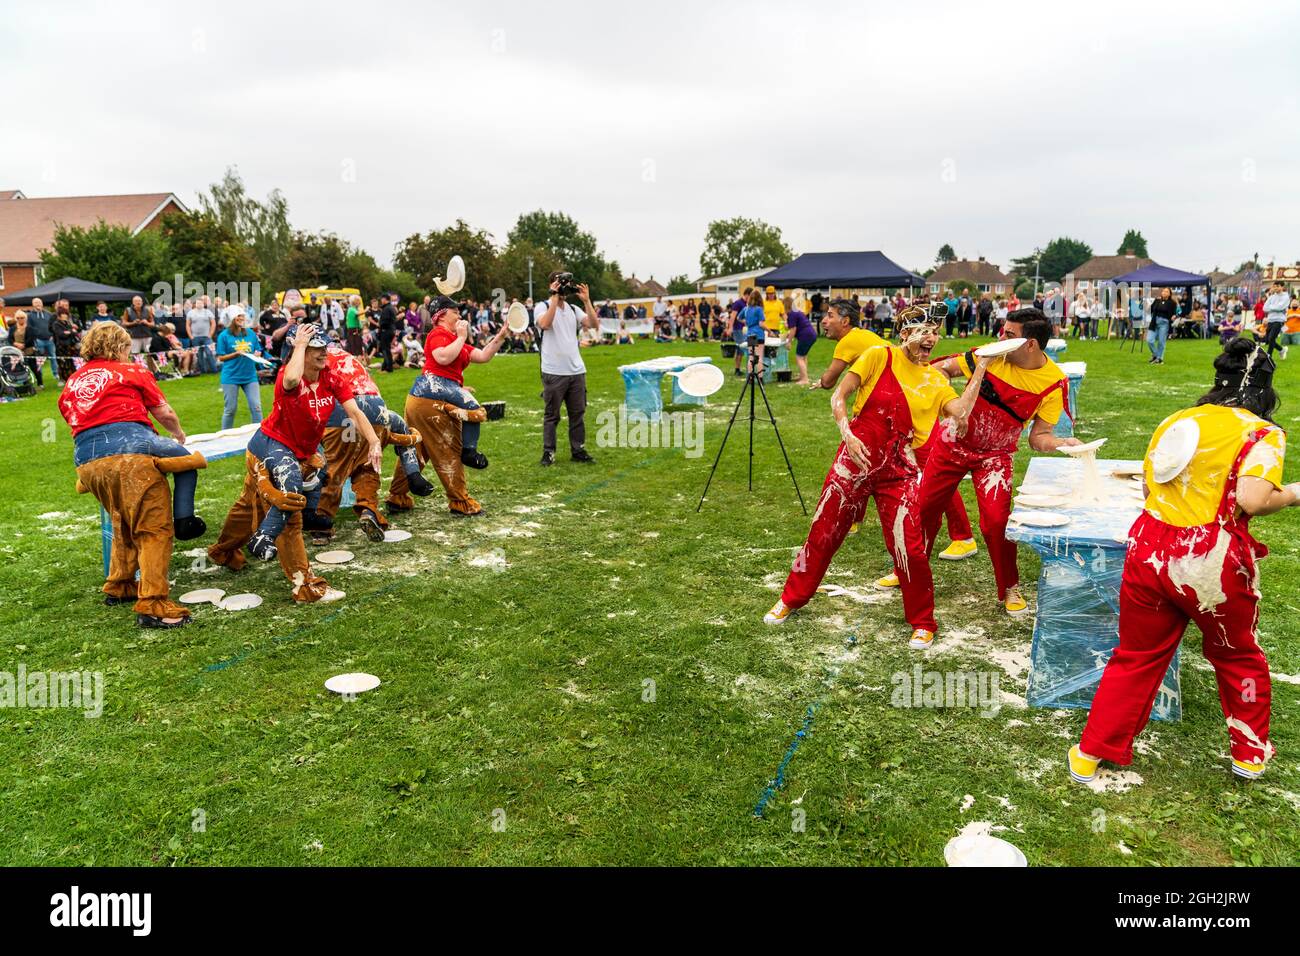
pixel 1021 386
pixel 1191 557
pixel 899 398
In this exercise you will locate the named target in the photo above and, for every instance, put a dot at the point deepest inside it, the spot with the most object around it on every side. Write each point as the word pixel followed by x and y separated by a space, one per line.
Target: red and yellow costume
pixel 1009 397
pixel 896 402
pixel 1191 557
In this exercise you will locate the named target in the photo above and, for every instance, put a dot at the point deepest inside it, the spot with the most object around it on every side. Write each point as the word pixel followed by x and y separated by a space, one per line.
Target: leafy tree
pixel 204 250
pixel 740 244
pixel 1025 290
pixel 564 239
pixel 680 285
pixel 1133 242
pixel 426 257
pixel 945 255
pixel 961 286
pixel 109 254
pixel 323 259
pixel 1055 260
pixel 403 283
pixel 511 273
pixel 263 226
pixel 612 284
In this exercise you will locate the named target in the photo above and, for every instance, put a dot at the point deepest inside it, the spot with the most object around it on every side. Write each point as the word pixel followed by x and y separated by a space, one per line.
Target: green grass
pixel 522 689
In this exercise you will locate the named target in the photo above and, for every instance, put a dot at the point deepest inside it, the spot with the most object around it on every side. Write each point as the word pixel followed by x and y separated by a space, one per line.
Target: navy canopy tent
pixel 1160 276
pixel 76 291
pixel 841 270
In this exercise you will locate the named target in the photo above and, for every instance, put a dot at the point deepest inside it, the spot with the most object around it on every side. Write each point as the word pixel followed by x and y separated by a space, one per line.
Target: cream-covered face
pixel 919 341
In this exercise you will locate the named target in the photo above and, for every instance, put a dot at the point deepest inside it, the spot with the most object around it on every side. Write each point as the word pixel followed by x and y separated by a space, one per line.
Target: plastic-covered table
pixel 1077 625
pixel 642 382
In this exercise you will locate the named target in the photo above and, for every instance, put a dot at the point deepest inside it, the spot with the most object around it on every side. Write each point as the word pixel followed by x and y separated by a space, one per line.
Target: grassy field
pixel 583 675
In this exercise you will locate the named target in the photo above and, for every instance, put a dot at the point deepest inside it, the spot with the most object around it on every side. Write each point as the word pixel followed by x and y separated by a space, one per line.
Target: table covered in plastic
pixel 642 383
pixel 1077 624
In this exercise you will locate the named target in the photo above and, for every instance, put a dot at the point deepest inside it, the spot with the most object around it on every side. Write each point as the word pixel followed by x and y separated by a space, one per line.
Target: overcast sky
pixel 993 127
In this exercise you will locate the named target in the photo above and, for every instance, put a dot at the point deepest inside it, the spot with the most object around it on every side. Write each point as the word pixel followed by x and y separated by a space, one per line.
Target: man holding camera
pixel 564 376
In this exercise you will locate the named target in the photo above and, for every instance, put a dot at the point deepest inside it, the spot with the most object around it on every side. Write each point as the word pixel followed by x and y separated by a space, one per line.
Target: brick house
pixel 1099 269
pixel 27 226
pixel 980 273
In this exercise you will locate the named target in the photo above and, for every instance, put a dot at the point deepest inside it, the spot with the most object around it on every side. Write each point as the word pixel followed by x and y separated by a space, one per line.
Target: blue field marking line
pixel 778 781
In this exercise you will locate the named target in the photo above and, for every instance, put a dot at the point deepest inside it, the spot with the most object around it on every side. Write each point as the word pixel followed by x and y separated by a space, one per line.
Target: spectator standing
pixel 984 315
pixel 564 376
pixel 39 334
pixel 67 340
pixel 352 325
pixel 238 371
pixel 20 337
pixel 950 323
pixel 138 323
pixel 199 325
pixel 884 317
pixel 1163 310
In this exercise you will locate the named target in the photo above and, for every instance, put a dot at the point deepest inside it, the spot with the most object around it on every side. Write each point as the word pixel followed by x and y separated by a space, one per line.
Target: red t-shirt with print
pixel 298 417
pixel 351 370
pixel 104 392
pixel 438 338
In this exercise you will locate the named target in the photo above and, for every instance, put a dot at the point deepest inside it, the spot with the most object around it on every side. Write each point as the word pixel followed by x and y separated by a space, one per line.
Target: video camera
pixel 567 285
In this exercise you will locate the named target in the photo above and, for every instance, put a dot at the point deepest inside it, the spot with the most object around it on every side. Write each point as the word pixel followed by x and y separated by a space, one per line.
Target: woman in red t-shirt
pixel 446 354
pixel 279 453
pixel 123 462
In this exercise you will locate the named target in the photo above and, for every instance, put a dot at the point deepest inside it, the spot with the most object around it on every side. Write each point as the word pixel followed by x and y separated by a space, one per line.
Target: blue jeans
pixel 286 474
pixel 251 394
pixel 445 390
pixel 133 438
pixel 207 354
pixel 46 347
pixel 379 415
pixel 1157 336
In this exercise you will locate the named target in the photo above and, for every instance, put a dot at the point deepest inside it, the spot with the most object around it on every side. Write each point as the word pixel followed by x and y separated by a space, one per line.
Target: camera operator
pixel 564 376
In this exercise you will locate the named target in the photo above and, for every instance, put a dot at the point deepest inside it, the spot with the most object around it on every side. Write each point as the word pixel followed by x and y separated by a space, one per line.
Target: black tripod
pixel 753 385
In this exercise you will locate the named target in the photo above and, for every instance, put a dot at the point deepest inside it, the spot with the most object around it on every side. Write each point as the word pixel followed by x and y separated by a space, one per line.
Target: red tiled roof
pixel 977 271
pixel 1108 267
pixel 27 225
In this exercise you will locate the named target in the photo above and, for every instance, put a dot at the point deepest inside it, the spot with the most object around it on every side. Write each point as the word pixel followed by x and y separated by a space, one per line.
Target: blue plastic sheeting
pixel 643 381
pixel 1077 625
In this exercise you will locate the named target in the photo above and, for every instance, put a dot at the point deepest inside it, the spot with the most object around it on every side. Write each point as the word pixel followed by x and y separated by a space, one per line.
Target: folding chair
pixel 1137 332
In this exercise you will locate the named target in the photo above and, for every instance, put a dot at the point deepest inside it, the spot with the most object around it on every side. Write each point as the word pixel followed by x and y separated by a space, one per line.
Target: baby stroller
pixel 16 379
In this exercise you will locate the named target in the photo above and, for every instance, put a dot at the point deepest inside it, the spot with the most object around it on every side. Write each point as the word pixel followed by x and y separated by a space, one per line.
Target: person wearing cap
pixel 349 460
pixel 119 458
pixel 1019 387
pixel 283 479
pixel 1208 470
pixel 773 312
pixel 899 398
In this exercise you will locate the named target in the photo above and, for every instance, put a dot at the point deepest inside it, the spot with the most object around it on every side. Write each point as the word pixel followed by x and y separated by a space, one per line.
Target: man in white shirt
pixel 564 376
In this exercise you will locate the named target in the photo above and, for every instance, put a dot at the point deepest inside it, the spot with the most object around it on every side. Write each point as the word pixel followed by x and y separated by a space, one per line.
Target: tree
pixel 963 286
pixel 566 241
pixel 1054 261
pixel 109 254
pixel 403 283
pixel 741 245
pixel 1025 290
pixel 680 285
pixel 205 251
pixel 1133 244
pixel 511 272
pixel 945 255
pixel 264 227
pixel 426 257
pixel 323 259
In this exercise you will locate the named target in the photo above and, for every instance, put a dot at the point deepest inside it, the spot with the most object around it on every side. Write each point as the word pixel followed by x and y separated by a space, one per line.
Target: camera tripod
pixel 754 386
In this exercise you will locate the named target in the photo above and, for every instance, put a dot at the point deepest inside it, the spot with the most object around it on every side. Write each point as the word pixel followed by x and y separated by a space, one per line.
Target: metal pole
pixel 530 277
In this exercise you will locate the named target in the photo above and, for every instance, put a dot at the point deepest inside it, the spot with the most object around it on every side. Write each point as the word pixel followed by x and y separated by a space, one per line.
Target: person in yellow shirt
pixel 898 397
pixel 1021 386
pixel 773 312
pixel 1208 470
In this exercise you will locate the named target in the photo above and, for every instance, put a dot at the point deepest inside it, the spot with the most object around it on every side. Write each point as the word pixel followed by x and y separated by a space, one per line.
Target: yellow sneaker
pixel 1081 768
pixel 1248 770
pixel 921 639
pixel 890 580
pixel 1014 603
pixel 778 614
pixel 853 528
pixel 960 550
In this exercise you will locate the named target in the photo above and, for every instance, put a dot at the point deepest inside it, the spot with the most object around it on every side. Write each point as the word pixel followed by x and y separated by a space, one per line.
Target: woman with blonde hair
pixel 123 462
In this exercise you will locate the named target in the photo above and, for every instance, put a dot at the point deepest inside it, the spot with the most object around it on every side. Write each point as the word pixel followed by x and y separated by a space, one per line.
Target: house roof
pixel 978 271
pixel 27 227
pixel 1108 267
pixel 11 194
